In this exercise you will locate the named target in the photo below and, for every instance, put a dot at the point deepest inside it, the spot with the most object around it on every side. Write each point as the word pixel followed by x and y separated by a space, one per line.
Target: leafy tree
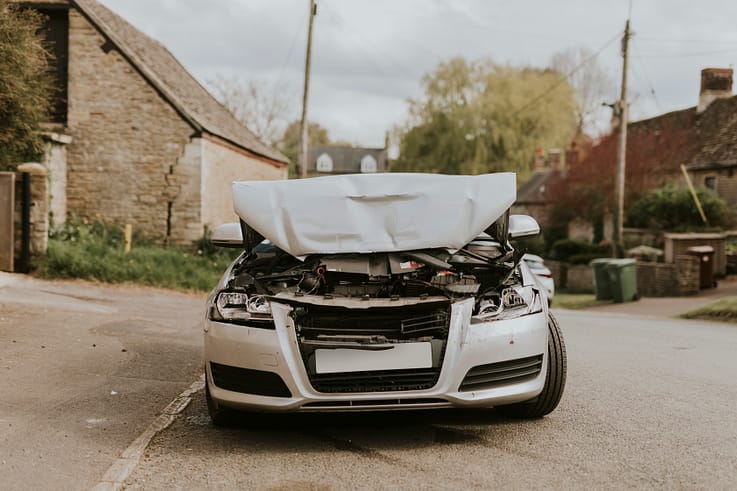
pixel 289 143
pixel 672 208
pixel 480 117
pixel 25 85
pixel 255 104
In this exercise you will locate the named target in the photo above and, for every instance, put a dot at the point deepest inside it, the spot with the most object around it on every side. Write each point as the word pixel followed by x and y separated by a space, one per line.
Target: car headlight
pixel 241 308
pixel 512 303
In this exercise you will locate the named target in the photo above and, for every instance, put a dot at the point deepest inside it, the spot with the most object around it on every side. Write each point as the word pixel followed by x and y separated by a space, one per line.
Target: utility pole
pixel 303 123
pixel 621 146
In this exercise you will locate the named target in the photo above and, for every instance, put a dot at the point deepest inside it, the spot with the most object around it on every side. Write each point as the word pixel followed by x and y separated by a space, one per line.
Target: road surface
pixel 650 403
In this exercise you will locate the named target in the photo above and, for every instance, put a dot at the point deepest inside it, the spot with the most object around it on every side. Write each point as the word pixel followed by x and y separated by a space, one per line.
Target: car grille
pixel 248 381
pixel 375 403
pixel 380 381
pixel 393 323
pixel 401 323
pixel 502 373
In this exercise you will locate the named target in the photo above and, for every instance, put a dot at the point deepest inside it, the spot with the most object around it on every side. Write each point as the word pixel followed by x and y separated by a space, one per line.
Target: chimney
pixel 539 160
pixel 716 83
pixel 554 159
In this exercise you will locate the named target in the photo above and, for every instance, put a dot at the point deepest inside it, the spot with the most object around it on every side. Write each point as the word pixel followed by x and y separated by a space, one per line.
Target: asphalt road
pixel 84 369
pixel 650 403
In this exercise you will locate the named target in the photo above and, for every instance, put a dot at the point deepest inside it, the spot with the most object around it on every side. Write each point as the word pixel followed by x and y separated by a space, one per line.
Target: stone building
pixel 134 137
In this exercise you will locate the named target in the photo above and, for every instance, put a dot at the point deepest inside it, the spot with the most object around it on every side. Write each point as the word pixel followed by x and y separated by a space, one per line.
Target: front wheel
pixel 555 380
pixel 219 414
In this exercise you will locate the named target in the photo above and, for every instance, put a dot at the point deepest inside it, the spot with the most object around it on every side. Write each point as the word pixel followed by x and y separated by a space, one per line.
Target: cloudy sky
pixel 369 55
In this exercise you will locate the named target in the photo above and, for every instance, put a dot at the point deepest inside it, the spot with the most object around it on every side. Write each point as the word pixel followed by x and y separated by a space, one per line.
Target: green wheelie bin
pixel 623 279
pixel 602 283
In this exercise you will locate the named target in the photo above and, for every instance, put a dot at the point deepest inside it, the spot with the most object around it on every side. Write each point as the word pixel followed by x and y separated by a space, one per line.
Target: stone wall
pixel 127 141
pixel 221 166
pixel 559 271
pixel 657 279
pixel 725 183
pixel 689 271
pixel 580 279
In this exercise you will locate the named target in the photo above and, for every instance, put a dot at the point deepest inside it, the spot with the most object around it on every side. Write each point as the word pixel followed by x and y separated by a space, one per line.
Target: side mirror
pixel 523 226
pixel 227 235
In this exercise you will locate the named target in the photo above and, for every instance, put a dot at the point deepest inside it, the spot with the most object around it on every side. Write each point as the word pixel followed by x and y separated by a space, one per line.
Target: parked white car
pixel 542 273
pixel 378 292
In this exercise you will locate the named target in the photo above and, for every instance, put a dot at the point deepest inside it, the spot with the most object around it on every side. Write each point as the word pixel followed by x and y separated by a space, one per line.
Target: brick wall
pixel 221 166
pixel 127 142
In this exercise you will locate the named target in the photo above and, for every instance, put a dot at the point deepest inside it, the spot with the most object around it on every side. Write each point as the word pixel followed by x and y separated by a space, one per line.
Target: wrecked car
pixel 379 292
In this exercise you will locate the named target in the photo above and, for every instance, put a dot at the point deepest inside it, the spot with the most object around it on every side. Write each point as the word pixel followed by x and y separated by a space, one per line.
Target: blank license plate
pixel 403 355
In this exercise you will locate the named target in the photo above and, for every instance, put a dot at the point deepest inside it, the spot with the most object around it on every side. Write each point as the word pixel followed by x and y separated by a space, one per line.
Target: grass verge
pixel 724 309
pixel 574 301
pixel 95 251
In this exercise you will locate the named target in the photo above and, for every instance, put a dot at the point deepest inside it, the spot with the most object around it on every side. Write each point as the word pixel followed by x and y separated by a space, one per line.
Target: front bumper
pixel 484 346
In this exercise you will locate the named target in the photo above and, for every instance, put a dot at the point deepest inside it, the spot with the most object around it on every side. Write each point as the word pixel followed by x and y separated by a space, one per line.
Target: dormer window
pixel 368 164
pixel 324 163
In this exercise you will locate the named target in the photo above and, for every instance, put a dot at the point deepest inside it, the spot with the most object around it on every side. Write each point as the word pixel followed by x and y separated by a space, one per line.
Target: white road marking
pixel 122 468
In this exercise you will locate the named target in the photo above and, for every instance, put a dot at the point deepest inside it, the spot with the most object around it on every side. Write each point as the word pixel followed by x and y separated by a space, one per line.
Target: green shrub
pixel 94 250
pixel 570 250
pixel 672 208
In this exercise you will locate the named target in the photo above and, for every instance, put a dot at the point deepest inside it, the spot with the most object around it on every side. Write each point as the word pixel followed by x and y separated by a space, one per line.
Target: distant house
pixel 134 137
pixel 327 159
pixel 703 138
pixel 538 194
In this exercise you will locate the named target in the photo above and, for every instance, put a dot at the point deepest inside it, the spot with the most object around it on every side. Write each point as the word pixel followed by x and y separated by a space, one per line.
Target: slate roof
pixel 533 190
pixel 717 128
pixel 172 80
pixel 346 159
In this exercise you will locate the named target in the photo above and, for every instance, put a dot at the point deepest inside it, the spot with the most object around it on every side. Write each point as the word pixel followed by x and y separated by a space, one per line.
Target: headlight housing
pixel 242 308
pixel 512 303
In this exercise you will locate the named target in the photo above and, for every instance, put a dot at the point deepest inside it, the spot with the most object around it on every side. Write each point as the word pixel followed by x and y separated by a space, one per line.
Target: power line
pixel 568 76
pixel 687 55
pixel 299 31
pixel 645 75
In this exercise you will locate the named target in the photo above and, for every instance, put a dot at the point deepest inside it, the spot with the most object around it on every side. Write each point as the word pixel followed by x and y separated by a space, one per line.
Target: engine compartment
pixel 483 269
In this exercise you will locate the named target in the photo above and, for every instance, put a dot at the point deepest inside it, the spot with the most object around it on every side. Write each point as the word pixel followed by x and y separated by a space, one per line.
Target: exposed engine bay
pixel 483 269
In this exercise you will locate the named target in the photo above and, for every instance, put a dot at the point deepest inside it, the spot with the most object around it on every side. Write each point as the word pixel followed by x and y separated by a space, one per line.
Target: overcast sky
pixel 369 55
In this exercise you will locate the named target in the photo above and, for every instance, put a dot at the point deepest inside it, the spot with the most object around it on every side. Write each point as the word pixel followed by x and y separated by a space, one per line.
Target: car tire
pixel 220 415
pixel 555 380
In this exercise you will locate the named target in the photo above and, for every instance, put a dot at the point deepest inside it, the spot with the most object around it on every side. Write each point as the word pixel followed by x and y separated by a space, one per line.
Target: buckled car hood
pixel 365 213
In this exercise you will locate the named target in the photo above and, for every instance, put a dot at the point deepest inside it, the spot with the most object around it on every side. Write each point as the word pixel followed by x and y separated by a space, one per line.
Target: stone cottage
pixel 702 137
pixel 134 137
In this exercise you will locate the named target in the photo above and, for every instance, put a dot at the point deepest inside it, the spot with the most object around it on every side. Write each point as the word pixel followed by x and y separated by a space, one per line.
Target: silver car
pixel 380 292
pixel 542 273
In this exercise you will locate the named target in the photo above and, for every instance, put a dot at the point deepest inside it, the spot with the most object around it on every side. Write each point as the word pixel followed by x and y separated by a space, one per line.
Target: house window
pixel 55 34
pixel 368 164
pixel 711 182
pixel 324 163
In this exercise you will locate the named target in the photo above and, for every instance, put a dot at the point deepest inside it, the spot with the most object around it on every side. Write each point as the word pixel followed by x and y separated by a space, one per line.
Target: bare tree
pixel 592 85
pixel 255 103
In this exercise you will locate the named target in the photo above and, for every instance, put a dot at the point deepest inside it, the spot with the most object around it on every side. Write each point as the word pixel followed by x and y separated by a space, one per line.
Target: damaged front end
pixel 348 309
pixel 331 329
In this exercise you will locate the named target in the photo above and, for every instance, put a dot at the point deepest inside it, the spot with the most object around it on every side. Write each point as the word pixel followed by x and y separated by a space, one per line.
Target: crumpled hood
pixel 364 213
